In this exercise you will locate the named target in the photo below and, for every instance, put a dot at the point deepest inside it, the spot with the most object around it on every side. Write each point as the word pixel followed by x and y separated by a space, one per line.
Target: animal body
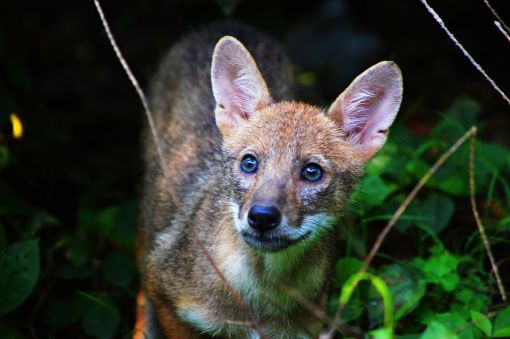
pixel 255 184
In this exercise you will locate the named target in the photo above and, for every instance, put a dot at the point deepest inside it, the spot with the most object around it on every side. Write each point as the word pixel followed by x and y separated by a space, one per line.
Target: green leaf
pixel 450 281
pixel 119 269
pixel 406 290
pixel 63 313
pixel 100 318
pixel 482 322
pixel 439 266
pixel 381 333
pixel 346 267
pixel 19 269
pixel 374 190
pixel 436 330
pixel 438 209
pixel 502 324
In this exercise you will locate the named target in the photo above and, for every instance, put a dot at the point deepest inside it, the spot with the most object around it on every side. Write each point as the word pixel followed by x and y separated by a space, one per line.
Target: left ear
pixel 368 107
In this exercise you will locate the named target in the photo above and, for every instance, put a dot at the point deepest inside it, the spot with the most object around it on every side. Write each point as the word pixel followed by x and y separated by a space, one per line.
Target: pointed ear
pixel 237 85
pixel 367 108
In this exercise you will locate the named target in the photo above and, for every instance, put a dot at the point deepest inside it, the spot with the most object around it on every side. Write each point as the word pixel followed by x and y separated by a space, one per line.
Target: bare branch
pixel 464 51
pixel 505 33
pixel 496 15
pixel 479 224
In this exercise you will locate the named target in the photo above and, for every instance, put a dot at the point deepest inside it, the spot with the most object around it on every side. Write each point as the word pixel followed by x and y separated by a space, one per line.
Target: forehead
pixel 289 130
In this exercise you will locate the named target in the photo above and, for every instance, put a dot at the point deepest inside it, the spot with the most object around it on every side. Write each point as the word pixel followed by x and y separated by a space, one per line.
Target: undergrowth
pixel 431 279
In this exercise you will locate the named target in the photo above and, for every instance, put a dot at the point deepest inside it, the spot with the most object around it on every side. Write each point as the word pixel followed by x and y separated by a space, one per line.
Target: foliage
pixel 440 284
pixel 68 271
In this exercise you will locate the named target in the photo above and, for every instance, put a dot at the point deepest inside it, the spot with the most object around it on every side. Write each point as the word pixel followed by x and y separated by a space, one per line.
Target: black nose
pixel 264 218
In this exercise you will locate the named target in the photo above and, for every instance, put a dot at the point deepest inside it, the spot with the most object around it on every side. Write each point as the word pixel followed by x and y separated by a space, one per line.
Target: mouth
pixel 271 242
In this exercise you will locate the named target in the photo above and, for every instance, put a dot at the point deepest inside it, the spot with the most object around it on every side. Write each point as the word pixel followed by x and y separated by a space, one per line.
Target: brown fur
pixel 205 176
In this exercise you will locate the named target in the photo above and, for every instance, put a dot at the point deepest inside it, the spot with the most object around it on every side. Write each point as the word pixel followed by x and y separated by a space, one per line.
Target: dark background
pixel 82 118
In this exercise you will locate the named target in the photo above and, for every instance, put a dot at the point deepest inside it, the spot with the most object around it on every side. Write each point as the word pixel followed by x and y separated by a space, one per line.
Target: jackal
pixel 255 185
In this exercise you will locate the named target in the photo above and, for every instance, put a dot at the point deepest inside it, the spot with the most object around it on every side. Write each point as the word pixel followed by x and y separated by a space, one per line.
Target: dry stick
pixel 156 139
pixel 466 53
pixel 398 213
pixel 498 25
pixel 479 224
pixel 497 16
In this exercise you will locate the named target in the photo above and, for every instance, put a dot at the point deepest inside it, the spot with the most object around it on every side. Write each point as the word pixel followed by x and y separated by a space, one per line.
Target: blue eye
pixel 311 172
pixel 249 164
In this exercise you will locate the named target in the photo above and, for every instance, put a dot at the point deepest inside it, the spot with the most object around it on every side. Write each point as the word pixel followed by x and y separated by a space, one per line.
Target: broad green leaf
pixel 19 270
pixel 436 330
pixel 482 322
pixel 502 324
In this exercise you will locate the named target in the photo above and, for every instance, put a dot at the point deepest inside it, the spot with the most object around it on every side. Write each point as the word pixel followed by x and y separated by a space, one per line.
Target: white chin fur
pixel 314 225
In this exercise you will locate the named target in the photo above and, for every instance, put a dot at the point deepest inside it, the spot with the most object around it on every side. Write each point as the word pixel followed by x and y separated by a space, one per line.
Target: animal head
pixel 290 166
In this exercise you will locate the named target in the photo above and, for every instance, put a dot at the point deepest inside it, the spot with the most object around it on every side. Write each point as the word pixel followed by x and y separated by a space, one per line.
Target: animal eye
pixel 311 172
pixel 249 164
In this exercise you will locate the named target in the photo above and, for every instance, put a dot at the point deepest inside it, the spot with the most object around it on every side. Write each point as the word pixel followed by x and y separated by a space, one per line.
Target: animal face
pixel 290 171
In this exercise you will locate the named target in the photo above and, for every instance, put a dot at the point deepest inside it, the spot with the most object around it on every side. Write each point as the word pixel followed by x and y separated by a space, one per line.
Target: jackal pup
pixel 254 180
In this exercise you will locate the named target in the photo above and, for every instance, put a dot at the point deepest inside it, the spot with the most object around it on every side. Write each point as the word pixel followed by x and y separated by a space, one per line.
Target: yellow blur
pixel 17 127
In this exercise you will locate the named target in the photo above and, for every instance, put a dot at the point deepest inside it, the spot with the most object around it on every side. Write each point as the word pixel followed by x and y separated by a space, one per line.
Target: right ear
pixel 237 85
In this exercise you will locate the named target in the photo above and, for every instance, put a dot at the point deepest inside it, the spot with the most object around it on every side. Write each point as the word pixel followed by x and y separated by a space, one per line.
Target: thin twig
pixel 479 224
pixel 505 33
pixel 464 51
pixel 135 84
pixel 398 213
pixel 162 161
pixel 486 2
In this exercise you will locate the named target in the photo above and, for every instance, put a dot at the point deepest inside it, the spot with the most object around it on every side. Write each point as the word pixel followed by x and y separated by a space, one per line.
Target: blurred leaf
pixel 63 313
pixel 346 267
pixel 381 333
pixel 482 322
pixel 438 209
pixel 436 330
pixel 374 190
pixel 406 288
pixel 119 269
pixel 19 269
pixel 502 324
pixel 100 318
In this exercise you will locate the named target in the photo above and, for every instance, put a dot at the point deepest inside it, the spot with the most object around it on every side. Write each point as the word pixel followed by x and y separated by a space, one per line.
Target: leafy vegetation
pixel 67 267
pixel 431 281
pixel 441 287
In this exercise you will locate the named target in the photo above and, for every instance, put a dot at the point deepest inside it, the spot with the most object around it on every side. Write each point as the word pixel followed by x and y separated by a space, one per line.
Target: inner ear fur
pixel 238 87
pixel 368 107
